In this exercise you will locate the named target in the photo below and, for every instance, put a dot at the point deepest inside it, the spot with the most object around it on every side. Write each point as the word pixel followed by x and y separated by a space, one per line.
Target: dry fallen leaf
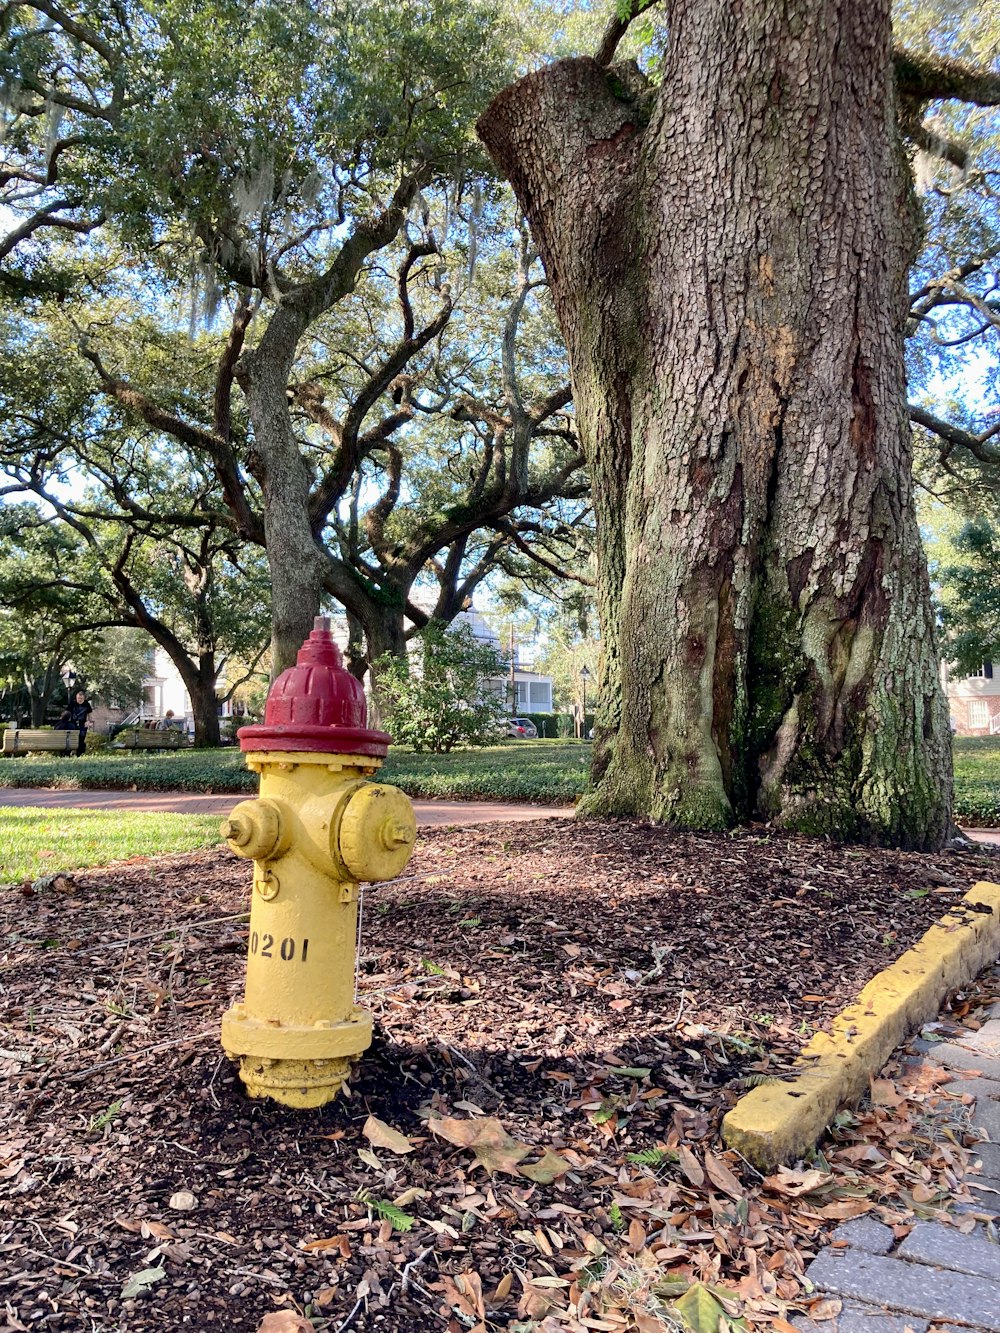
pixel 690 1165
pixel 503 1288
pixel 828 1308
pixel 721 1176
pixel 183 1201
pixel 497 1151
pixel 845 1210
pixel 548 1168
pixel 338 1242
pixel 493 1146
pixel 284 1321
pixel 157 1230
pixel 381 1135
pixel 885 1093
pixel 794 1182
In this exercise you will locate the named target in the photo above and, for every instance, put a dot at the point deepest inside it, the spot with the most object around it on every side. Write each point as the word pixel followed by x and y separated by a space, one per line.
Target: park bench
pixel 21 740
pixel 152 738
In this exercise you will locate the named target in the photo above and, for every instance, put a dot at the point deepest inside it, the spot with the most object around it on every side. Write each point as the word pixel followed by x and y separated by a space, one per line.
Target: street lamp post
pixel 584 677
pixel 70 682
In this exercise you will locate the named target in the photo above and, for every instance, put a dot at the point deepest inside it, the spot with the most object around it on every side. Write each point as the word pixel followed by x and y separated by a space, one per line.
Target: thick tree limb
pixel 929 78
pixel 926 137
pixel 75 28
pixel 511 531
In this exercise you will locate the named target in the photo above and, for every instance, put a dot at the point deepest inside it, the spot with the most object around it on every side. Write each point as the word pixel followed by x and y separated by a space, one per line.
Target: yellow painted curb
pixel 779 1122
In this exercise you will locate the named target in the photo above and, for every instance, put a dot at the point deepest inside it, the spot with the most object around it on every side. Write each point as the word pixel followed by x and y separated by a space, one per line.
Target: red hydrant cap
pixel 316 705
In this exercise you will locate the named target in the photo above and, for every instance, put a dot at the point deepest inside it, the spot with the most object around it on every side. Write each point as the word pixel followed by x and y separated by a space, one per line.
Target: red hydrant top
pixel 316 705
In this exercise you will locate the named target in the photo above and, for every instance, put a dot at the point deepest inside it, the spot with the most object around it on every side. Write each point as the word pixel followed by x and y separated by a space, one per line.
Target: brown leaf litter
pixel 564 1011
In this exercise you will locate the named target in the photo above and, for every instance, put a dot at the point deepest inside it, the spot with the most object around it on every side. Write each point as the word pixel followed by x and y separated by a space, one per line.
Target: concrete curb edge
pixel 781 1121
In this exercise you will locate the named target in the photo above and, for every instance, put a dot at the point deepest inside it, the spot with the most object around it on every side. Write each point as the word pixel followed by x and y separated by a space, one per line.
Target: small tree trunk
pixel 728 259
pixel 385 634
pixel 205 708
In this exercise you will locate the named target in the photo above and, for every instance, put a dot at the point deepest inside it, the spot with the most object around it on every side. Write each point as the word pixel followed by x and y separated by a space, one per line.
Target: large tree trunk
pixel 728 257
pixel 296 565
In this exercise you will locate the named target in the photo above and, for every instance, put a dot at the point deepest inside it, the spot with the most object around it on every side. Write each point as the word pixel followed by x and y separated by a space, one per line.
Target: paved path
pixel 987 835
pixel 429 813
pixel 936 1278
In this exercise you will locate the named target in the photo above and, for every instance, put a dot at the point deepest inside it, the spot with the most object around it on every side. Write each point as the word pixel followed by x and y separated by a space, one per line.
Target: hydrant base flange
pixel 299 1083
pixel 243 1035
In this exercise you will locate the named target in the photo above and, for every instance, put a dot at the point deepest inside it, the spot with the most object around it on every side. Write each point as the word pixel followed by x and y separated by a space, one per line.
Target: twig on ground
pixel 84 1074
pixel 350 1318
pixel 480 1079
pixel 172 930
pixel 405 1278
pixel 61 1263
pixel 211 1081
pixel 110 1041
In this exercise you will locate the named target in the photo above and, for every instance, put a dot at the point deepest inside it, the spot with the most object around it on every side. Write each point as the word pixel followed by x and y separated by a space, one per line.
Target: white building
pixel 163 691
pixel 533 690
pixel 974 701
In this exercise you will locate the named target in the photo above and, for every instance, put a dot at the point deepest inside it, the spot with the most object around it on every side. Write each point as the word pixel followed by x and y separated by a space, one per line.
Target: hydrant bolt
pixel 396 835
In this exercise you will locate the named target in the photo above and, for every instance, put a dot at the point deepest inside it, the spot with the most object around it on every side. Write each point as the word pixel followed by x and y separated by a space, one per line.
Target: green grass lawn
pixel 544 771
pixel 44 842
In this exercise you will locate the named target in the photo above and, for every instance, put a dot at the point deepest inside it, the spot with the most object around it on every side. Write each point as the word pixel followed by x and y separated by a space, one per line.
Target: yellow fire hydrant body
pixel 317 830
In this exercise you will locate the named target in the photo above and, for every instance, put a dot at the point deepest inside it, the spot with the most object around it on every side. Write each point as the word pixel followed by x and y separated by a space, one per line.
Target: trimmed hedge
pixel 542 771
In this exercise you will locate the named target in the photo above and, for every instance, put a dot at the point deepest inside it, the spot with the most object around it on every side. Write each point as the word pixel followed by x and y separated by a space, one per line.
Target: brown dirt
pixel 601 989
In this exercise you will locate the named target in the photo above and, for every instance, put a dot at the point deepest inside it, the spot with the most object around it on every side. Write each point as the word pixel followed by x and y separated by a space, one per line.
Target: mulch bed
pixel 604 991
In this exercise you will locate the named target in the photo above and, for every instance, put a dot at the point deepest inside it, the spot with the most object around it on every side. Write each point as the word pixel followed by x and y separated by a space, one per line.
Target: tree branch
pixel 929 78
pixel 616 30
pixel 45 217
pixel 955 436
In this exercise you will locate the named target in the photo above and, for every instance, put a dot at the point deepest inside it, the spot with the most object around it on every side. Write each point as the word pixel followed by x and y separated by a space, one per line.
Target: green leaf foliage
pixel 446 693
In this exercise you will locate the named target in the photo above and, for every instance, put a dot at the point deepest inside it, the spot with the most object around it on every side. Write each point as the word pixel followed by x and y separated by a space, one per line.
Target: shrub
pixel 443 695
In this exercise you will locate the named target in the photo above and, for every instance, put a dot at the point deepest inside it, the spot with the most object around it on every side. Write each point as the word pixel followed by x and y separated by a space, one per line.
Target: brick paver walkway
pixel 429 813
pixel 936 1278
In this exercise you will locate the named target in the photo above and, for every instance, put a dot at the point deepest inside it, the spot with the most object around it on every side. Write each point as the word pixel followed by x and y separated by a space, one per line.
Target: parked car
pixel 523 728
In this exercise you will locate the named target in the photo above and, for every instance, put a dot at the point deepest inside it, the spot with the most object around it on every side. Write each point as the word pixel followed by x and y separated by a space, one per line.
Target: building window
pixel 540 693
pixel 984 672
pixel 979 713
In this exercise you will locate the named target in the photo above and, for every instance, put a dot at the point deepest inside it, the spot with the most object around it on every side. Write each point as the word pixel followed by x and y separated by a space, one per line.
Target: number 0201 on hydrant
pixel 317 830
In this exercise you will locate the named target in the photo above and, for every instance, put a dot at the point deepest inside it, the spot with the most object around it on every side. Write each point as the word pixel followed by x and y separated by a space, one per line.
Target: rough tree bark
pixel 727 256
pixel 297 568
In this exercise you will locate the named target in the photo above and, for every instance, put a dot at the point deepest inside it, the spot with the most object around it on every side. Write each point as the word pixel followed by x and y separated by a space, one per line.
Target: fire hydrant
pixel 317 830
